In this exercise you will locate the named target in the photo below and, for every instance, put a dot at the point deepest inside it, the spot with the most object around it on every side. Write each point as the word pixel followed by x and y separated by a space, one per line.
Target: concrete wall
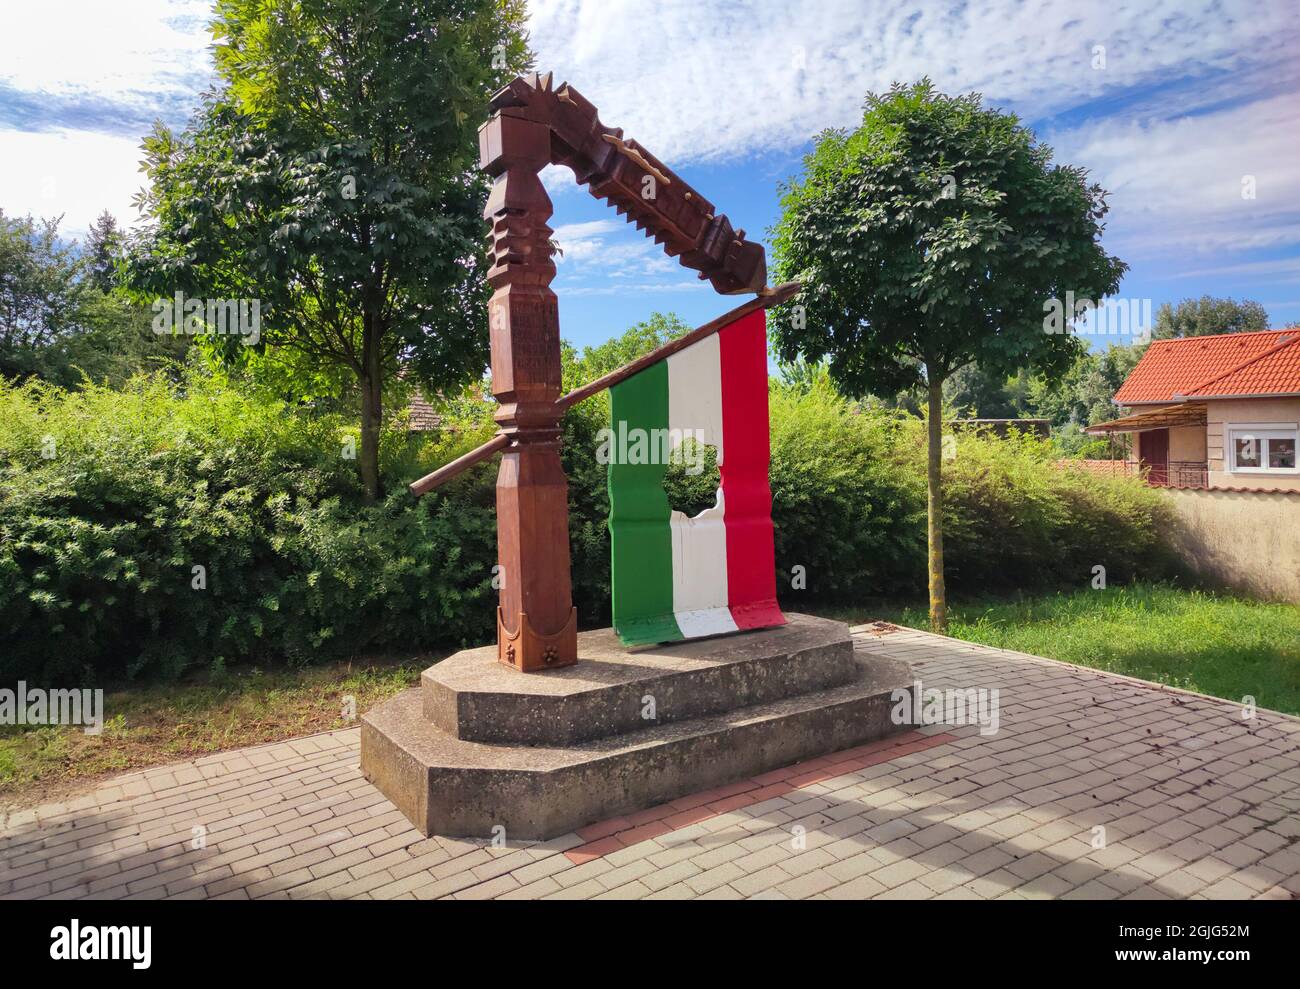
pixel 1248 541
pixel 1223 412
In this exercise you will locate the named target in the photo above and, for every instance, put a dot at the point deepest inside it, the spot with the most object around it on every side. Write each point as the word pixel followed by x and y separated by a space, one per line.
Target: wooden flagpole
pixel 771 297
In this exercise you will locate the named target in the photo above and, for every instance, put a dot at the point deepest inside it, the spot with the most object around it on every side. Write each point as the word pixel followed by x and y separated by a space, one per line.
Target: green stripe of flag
pixel 642 557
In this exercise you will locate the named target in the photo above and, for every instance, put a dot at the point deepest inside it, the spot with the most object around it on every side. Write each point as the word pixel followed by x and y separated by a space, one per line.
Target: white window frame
pixel 1263 432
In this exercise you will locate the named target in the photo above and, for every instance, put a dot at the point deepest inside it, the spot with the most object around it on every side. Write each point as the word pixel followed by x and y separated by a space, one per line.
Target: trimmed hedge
pixel 110 500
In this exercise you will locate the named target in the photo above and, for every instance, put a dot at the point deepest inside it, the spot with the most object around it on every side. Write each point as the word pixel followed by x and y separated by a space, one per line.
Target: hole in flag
pixel 692 479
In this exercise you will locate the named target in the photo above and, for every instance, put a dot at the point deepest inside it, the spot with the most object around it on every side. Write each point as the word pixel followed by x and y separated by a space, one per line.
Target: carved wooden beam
pixel 638 185
pixel 536 622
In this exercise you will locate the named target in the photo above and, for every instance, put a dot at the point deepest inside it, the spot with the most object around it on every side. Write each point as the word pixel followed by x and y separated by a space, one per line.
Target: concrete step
pixel 450 786
pixel 614 690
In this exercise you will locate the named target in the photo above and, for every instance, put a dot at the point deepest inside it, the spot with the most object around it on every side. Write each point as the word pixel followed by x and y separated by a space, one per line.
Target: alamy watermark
pixel 93 942
pixel 635 445
pixel 1111 317
pixel 950 706
pixel 38 706
pixel 219 317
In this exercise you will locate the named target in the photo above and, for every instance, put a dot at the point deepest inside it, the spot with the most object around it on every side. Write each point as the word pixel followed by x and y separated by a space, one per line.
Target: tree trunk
pixel 372 407
pixel 934 461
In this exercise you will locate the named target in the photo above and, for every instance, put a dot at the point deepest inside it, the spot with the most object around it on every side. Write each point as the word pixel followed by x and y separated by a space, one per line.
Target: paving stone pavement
pixel 1094 787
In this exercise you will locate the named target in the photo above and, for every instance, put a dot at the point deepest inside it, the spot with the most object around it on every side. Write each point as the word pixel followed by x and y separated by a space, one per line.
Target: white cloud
pixel 578 241
pixel 74 70
pixel 634 288
pixel 1275 270
pixel 699 82
pixel 716 83
pixel 74 173
pixel 607 249
pixel 558 179
pixel 123 50
pixel 1177 184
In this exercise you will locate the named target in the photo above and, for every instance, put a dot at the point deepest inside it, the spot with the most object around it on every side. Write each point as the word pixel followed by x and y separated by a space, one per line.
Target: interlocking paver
pixel 1187 799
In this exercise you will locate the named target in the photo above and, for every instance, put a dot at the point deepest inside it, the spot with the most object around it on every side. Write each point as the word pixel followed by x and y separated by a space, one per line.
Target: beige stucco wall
pixel 1248 541
pixel 1187 443
pixel 1220 413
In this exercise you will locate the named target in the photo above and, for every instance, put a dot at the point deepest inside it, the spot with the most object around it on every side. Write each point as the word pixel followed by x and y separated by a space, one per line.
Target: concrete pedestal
pixel 479 745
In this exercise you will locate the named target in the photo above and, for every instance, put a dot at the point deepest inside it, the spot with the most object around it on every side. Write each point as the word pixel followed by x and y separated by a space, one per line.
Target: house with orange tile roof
pixel 1215 411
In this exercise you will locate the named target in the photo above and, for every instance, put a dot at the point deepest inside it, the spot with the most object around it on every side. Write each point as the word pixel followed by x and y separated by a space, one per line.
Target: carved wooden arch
pixel 534 125
pixel 620 172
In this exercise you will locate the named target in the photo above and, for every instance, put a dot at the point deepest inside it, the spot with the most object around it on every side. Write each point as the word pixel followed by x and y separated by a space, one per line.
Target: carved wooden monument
pixel 477 746
pixel 534 125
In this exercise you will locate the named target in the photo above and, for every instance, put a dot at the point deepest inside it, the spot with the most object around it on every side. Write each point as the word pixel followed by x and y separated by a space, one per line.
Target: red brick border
pixel 619 832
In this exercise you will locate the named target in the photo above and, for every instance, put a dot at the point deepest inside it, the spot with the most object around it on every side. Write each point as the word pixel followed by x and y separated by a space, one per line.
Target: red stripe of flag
pixel 751 578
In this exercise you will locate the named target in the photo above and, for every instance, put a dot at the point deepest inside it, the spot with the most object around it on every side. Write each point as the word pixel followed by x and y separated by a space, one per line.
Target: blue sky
pixel 1175 107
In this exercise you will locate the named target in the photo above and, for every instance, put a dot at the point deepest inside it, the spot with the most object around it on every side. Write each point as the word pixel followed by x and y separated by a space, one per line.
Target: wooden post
pixel 536 621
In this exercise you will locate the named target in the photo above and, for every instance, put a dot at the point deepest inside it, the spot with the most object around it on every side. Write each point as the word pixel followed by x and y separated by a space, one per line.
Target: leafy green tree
pixel 1084 394
pixel 104 243
pixel 989 395
pixel 332 176
pixel 933 237
pixel 56 323
pixel 802 376
pixel 582 367
pixel 1208 315
pixel 40 291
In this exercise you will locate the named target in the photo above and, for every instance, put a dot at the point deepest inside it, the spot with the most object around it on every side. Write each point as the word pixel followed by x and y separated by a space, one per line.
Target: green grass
pixel 151 724
pixel 1223 646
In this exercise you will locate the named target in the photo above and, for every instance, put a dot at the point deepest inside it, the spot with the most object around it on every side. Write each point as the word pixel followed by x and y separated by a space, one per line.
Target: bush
pixel 1014 519
pixel 151 530
pixel 849 503
pixel 842 507
pixel 110 500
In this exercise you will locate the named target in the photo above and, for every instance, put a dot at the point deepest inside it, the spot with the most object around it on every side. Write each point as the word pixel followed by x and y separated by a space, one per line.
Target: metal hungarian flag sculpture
pixel 677 577
pixel 673 577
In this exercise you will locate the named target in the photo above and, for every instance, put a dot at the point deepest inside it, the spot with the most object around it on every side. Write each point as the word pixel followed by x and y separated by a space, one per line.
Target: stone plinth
pixel 476 699
pixel 478 745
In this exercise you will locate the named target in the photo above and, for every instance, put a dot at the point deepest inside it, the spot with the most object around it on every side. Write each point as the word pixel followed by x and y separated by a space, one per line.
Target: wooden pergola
pixel 1187 414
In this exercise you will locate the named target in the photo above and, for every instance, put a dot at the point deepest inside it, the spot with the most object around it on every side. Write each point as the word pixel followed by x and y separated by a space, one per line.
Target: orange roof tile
pixel 1186 365
pixel 1274 372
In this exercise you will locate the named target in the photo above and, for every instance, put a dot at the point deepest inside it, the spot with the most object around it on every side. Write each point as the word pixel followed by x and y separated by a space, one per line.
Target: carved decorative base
pixel 528 652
